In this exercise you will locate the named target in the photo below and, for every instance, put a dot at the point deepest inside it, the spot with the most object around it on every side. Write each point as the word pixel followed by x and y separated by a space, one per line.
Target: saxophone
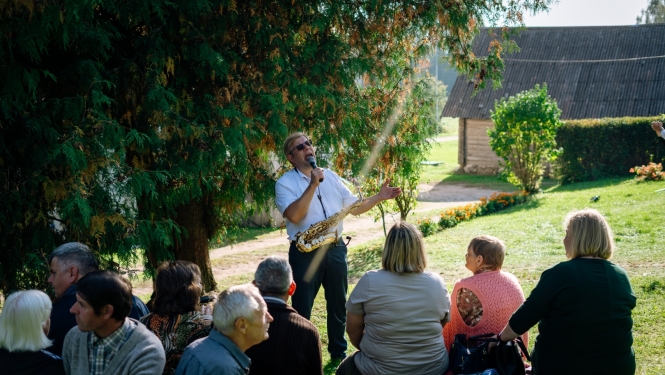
pixel 317 234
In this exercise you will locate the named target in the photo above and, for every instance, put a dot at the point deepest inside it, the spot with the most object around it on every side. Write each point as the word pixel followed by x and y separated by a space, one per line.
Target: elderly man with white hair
pixel 241 321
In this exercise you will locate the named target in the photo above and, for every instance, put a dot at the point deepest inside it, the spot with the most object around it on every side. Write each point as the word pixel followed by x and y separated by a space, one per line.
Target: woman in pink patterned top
pixel 484 302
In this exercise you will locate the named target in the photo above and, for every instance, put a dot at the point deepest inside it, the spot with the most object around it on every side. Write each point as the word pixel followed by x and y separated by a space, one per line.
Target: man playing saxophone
pixel 305 196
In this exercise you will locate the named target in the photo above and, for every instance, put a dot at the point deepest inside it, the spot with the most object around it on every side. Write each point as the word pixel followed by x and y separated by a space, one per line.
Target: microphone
pixel 312 162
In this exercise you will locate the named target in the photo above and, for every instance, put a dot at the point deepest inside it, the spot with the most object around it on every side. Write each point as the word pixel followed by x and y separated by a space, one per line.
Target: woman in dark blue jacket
pixel 582 307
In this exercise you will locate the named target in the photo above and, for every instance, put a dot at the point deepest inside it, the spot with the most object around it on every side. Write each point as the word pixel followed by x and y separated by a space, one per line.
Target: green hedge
pixel 600 148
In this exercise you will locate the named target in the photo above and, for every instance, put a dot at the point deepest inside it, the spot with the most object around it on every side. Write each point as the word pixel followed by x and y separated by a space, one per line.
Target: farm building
pixel 592 72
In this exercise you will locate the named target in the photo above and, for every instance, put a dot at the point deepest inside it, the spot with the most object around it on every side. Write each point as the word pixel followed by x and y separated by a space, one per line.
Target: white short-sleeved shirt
pixel 403 315
pixel 334 194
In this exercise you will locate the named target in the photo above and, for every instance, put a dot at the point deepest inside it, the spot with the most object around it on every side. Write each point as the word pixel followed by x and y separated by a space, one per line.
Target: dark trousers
pixel 331 272
pixel 348 366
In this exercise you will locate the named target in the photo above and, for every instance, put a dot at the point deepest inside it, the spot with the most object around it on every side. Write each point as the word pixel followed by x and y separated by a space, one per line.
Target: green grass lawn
pixel 533 234
pixel 445 152
pixel 449 125
pixel 446 172
pixel 240 234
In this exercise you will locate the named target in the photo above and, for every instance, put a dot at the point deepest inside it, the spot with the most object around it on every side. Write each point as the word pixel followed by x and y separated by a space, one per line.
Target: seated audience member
pixel 105 340
pixel 395 314
pixel 293 346
pixel 68 263
pixel 176 318
pixel 241 320
pixel 657 126
pixel 484 302
pixel 24 323
pixel 582 306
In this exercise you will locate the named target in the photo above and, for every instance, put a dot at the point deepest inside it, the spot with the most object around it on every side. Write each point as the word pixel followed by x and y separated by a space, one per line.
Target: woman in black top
pixel 582 307
pixel 24 324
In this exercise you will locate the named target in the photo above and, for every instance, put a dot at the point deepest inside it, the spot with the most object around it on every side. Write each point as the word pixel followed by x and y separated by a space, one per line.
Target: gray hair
pixel 236 302
pixel 75 254
pixel 273 276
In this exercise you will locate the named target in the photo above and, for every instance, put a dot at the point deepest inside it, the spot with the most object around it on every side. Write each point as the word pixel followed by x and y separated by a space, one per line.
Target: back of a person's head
pixel 404 250
pixel 273 276
pixel 75 254
pixel 23 320
pixel 177 288
pixel 590 235
pixel 241 301
pixel 492 249
pixel 103 288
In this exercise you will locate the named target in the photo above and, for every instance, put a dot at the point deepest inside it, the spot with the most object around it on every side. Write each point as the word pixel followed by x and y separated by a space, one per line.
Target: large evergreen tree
pixel 147 124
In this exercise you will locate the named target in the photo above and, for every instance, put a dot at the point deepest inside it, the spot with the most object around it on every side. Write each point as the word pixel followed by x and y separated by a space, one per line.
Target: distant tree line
pixel 653 13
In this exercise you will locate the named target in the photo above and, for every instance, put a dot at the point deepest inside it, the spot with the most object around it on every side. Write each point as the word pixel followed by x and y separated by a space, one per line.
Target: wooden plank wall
pixel 477 146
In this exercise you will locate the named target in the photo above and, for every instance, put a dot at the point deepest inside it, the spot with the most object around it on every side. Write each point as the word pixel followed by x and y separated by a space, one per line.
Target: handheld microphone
pixel 312 162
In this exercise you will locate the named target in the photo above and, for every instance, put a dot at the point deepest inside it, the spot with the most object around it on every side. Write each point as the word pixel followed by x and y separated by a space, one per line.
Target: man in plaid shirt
pixel 105 340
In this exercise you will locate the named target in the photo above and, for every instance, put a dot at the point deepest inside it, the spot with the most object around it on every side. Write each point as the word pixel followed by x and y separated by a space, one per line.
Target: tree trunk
pixel 193 245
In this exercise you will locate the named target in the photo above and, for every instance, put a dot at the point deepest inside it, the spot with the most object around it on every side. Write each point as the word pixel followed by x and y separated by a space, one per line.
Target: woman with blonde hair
pixel 582 306
pixel 395 314
pixel 484 302
pixel 24 323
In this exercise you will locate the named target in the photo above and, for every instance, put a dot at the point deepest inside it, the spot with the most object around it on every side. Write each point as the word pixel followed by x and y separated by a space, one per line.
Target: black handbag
pixel 470 355
pixel 506 357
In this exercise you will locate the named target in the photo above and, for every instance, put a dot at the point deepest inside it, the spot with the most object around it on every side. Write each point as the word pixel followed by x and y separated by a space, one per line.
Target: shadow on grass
pixel 651 285
pixel 579 186
pixel 489 182
pixel 363 259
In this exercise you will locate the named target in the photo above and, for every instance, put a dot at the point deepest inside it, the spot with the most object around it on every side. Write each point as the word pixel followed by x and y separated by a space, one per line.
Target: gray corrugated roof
pixel 566 58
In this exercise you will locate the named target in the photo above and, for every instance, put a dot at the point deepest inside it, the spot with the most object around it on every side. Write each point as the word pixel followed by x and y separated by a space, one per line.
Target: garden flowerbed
pixel 453 216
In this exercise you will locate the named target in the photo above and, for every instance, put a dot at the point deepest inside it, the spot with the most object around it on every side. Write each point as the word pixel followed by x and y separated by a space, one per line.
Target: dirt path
pixel 362 229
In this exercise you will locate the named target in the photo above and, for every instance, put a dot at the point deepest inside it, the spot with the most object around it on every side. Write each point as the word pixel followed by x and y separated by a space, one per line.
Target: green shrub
pixel 427 227
pixel 446 222
pixel 523 135
pixel 601 148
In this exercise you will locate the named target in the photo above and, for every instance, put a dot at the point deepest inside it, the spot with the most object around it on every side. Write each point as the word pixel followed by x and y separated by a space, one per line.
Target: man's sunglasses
pixel 301 146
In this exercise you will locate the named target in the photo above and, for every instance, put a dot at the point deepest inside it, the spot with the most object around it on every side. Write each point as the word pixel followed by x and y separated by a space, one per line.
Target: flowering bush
pixel 496 202
pixel 453 216
pixel 427 227
pixel 650 172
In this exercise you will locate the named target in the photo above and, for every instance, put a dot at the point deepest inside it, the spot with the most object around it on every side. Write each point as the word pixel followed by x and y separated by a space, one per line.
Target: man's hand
pixel 316 177
pixel 657 126
pixel 388 192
